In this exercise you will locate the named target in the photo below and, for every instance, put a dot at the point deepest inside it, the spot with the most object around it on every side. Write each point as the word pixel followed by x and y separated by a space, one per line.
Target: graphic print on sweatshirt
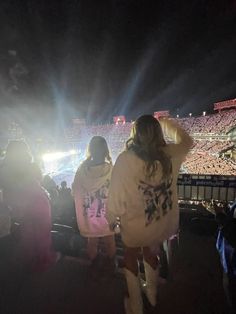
pixel 94 203
pixel 158 199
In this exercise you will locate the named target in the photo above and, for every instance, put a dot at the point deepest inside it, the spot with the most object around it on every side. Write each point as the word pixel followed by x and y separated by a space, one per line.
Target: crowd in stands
pixel 212 147
pixel 115 135
pixel 205 154
pixel 201 163
pixel 218 123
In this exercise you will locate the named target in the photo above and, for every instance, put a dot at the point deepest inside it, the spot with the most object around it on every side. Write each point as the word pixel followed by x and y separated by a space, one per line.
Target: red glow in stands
pixel 205 156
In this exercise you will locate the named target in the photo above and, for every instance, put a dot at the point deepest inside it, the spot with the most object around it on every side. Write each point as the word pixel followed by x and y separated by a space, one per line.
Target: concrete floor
pixel 195 288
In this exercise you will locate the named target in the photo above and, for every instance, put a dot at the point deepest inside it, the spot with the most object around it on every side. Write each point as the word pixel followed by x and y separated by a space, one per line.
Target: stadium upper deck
pixel 207 155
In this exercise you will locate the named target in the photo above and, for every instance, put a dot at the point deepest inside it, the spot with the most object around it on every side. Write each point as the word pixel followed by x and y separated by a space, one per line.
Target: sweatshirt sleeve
pixel 116 198
pixel 182 140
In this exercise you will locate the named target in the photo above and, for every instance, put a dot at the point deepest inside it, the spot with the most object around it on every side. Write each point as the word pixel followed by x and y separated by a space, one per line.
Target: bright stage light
pixel 53 156
pixel 62 165
pixel 48 157
pixel 73 152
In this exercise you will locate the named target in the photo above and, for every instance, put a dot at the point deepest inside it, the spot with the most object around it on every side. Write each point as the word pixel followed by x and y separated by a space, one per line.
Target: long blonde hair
pixel 98 147
pixel 147 142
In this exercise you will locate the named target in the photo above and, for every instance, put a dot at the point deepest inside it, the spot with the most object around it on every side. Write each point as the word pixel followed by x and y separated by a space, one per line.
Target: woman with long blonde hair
pixel 143 195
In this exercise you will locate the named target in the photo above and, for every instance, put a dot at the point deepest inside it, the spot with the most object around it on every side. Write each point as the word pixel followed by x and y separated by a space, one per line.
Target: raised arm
pixel 176 133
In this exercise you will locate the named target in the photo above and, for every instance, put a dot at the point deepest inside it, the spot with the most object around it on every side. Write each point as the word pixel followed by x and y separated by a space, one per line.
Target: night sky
pixel 95 59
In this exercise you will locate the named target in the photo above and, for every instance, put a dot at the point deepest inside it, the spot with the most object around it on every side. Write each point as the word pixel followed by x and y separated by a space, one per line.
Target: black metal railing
pixel 206 187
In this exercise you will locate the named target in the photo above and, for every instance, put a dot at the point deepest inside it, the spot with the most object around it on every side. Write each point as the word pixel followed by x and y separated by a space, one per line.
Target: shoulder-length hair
pixel 147 142
pixel 98 147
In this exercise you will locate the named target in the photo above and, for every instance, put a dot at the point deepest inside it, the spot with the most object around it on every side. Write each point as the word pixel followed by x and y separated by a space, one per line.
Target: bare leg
pixel 150 258
pixel 151 274
pixel 109 265
pixel 92 248
pixel 133 304
pixel 131 259
pixel 110 246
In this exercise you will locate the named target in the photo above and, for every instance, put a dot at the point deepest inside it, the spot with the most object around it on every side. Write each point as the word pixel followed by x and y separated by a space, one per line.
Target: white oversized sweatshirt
pixel 147 207
pixel 90 190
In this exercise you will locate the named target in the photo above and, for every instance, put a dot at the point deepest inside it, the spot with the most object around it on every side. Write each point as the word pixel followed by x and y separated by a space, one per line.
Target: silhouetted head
pixel 18 152
pixel 64 184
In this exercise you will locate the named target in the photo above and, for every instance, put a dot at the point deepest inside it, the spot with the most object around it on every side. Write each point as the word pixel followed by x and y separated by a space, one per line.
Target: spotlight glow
pixel 57 155
pixel 53 156
pixel 73 152
pixel 62 165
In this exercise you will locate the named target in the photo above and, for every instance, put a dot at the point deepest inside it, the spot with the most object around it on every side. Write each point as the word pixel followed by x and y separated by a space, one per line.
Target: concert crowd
pixel 134 198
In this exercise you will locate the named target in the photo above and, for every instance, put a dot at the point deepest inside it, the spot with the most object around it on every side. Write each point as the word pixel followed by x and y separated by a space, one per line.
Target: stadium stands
pixel 217 123
pixel 205 156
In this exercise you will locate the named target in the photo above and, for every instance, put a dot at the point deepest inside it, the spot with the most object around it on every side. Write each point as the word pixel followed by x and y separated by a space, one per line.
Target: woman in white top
pixel 90 190
pixel 143 195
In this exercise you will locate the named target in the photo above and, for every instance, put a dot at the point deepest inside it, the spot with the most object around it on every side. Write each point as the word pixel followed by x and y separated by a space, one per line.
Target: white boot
pixel 133 304
pixel 151 283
